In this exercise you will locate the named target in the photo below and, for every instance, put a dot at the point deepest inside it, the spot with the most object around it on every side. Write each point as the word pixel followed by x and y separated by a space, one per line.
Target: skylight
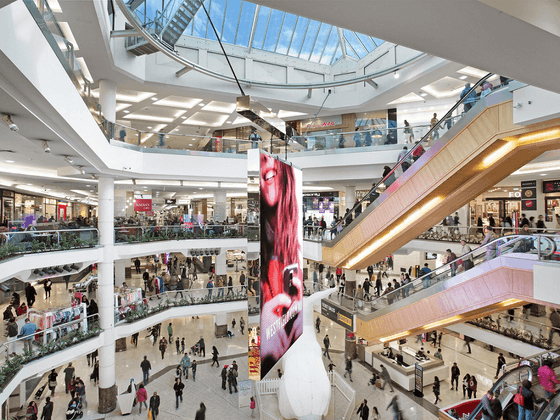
pixel 241 23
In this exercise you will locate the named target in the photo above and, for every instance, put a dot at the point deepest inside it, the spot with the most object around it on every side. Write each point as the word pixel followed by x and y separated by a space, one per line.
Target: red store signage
pixel 143 204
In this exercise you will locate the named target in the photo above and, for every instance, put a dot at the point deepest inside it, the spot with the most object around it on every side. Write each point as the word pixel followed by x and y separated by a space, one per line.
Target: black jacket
pixel 154 402
pixel 530 398
pixel 47 411
pixel 364 409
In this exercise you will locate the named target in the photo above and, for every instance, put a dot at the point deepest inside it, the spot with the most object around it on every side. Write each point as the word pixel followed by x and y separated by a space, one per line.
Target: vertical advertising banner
pixel 281 259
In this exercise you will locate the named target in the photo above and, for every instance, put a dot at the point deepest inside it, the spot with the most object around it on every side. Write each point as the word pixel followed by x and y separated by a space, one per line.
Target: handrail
pixel 418 145
pixel 427 280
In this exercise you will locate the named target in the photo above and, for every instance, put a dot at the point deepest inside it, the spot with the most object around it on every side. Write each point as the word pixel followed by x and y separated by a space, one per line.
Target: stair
pixel 180 20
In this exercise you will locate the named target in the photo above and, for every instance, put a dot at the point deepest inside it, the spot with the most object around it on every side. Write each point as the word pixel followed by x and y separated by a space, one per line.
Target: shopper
pixel 348 368
pixel 178 345
pixel 32 411
pixel 501 362
pixel 327 343
pixel 395 405
pixel 146 367
pixel 137 265
pixel 48 286
pixel 491 247
pixel 473 384
pixel 193 368
pixel 202 347
pixel 466 380
pixel 162 347
pixel 230 286
pixel 52 381
pixel 47 412
pixel 450 258
pixel 363 410
pixel 183 345
pixel 547 378
pixel 385 378
pixel 81 391
pixel 241 325
pixel 223 375
pixel 30 294
pixel 185 364
pixel 252 406
pixel 95 373
pixel 142 397
pixel 467 260
pixel 318 325
pixel 486 401
pixel 28 332
pixel 436 389
pixel 232 379
pixel 178 388
pixel 242 283
pixel 215 356
pixel 455 373
pixel 135 339
pixel 154 405
pixel 68 375
pixel 201 413
pixel 526 409
pixel 170 333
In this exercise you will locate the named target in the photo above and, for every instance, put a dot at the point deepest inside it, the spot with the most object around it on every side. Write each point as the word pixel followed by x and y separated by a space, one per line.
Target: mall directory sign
pixel 278 219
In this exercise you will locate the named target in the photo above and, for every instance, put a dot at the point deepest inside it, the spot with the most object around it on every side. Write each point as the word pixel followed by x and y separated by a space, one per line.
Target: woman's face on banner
pixel 270 180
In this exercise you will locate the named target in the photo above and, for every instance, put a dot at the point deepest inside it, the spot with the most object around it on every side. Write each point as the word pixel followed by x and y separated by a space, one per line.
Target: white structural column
pixel 120 268
pixel 221 263
pixel 105 295
pixel 108 99
pixel 220 207
pixel 350 198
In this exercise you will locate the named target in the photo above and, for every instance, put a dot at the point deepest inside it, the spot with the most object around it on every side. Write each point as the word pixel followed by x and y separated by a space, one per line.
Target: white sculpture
pixel 305 390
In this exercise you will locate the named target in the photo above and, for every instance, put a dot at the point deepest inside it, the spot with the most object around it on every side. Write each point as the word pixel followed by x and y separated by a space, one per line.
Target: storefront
pixel 321 204
pixel 8 206
pixel 551 192
pixel 498 205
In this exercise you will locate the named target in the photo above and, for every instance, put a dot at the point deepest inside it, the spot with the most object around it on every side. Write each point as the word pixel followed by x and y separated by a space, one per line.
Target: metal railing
pixel 406 160
pixel 473 234
pixel 346 390
pixel 33 241
pixel 136 234
pixel 51 340
pixel 542 247
pixel 154 303
pixel 266 387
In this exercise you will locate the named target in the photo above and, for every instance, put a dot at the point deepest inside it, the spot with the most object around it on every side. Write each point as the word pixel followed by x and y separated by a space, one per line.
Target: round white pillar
pixel 105 295
pixel 108 99
pixel 220 206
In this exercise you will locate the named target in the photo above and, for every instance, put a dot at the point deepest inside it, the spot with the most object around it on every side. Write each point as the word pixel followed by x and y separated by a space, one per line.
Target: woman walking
pixel 215 356
pixel 435 388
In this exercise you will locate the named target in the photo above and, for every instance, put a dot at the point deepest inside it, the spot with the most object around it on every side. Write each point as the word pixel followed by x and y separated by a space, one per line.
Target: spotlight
pixel 46 147
pixel 58 269
pixel 69 160
pixel 66 268
pixel 38 272
pixel 81 170
pixel 74 267
pixel 397 75
pixel 7 118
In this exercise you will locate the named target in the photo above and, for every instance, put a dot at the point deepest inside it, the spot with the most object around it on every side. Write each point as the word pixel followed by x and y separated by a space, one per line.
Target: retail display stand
pixel 127 300
pixel 52 317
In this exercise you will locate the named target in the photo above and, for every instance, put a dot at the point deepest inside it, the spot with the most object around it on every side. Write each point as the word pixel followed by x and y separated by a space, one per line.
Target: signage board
pixel 143 204
pixel 551 186
pixel 529 184
pixel 170 201
pixel 337 314
pixel 418 380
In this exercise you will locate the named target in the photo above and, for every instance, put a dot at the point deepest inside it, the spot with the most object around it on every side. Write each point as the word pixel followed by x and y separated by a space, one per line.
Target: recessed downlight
pixel 9 161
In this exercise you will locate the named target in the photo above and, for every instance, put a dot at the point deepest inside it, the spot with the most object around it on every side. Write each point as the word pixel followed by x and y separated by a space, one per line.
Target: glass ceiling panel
pixel 299 34
pixel 309 40
pixel 275 31
pixel 262 24
pixel 245 24
pixel 230 23
pixel 330 47
pixel 286 33
pixel 353 41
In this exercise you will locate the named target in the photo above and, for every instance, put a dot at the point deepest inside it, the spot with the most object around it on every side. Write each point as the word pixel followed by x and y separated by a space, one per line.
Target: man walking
pixel 185 365
pixel 242 282
pixel 224 375
pixel 137 265
pixel 363 411
pixel 455 373
pixel 318 324
pixel 501 362
pixel 327 343
pixel 385 378
pixel 28 332
pixel 241 325
pixel 47 410
pixel 146 367
pixel 486 401
pixel 349 368
pixel 68 375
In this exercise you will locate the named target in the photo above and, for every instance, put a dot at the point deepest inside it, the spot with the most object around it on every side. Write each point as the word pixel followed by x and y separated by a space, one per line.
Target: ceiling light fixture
pixel 46 147
pixel 154 99
pixel 126 111
pixel 69 160
pixel 463 77
pixel 424 94
pixel 9 161
pixel 7 118
pixel 82 170
pixel 397 75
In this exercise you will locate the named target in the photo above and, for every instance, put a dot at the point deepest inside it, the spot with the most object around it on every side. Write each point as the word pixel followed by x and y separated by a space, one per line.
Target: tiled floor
pixel 221 404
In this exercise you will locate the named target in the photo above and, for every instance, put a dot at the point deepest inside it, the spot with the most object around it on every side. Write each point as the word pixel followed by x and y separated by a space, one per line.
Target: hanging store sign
pixel 418 380
pixel 170 201
pixel 337 314
pixel 529 195
pixel 551 186
pixel 143 204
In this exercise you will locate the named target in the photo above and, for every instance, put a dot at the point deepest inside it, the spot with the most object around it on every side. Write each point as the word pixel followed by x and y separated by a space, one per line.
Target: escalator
pixel 499 276
pixel 550 410
pixel 481 149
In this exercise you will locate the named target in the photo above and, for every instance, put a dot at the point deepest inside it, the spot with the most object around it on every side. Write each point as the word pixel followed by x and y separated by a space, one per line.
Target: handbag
pixel 519 399
pixel 52 384
pixel 150 415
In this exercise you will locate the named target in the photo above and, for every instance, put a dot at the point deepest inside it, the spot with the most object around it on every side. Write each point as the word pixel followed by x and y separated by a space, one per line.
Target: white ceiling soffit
pixel 411 97
pixel 445 87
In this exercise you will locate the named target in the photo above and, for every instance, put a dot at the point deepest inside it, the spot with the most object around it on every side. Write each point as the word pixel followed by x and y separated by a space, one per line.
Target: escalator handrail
pixel 417 145
pixel 446 268
pixel 496 385
pixel 556 413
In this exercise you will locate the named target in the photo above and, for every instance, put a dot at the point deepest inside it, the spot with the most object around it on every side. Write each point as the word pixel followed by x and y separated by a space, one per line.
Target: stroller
pixel 74 411
pixel 39 392
pixel 195 349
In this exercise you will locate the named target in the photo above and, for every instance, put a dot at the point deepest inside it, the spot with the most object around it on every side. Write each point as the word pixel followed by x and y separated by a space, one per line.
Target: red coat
pixel 547 378
pixel 142 395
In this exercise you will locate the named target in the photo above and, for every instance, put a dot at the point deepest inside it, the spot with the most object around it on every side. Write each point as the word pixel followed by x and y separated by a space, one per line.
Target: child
pixel 252 406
